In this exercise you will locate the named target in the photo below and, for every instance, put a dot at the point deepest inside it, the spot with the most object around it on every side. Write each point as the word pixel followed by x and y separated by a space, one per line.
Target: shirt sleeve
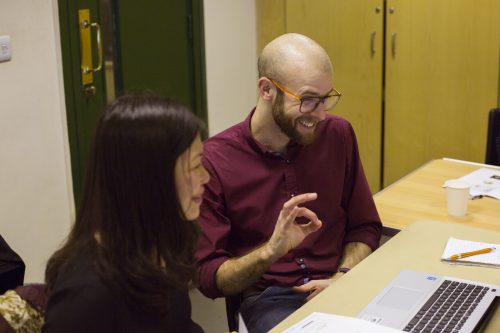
pixel 363 221
pixel 216 226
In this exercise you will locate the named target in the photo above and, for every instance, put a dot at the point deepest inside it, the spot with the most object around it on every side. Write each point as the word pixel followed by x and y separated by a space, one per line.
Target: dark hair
pixel 130 200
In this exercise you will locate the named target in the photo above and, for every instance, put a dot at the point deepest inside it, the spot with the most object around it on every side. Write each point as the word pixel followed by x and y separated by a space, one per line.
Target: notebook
pixel 457 246
pixel 422 302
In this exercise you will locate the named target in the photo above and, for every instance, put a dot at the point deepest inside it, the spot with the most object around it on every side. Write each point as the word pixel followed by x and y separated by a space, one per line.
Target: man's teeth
pixel 306 123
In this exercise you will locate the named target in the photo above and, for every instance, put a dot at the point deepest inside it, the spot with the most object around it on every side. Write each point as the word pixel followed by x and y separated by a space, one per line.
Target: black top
pixel 82 302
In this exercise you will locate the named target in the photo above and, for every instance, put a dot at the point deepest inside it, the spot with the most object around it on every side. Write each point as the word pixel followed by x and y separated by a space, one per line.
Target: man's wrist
pixel 268 253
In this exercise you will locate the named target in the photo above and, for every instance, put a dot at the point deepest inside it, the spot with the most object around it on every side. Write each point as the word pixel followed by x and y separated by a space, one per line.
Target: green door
pixel 156 49
pixel 84 101
pixel 147 47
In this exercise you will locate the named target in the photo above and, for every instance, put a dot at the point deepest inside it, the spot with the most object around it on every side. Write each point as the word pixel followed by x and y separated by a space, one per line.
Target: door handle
pixel 85 27
pixel 372 44
pixel 393 44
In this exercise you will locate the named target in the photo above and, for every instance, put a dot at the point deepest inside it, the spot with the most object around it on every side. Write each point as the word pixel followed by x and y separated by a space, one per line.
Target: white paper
pixel 318 322
pixel 242 328
pixel 484 181
pixel 457 246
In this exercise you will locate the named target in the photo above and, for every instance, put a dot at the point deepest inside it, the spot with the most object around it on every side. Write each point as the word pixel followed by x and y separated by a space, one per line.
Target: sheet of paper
pixel 318 322
pixel 456 246
pixel 484 181
pixel 242 328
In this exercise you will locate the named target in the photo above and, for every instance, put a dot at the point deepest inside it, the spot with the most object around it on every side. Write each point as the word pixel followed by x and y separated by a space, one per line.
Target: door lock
pixel 89 90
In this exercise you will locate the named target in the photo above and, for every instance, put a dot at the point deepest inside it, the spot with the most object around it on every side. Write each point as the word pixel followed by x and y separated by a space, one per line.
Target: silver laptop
pixel 422 302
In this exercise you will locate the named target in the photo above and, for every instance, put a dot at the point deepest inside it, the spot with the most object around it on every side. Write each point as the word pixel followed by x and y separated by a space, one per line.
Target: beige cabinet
pixel 442 77
pixel 425 95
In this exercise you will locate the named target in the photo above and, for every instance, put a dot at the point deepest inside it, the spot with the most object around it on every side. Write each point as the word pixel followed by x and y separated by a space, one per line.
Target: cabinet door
pixel 442 71
pixel 351 32
pixel 270 21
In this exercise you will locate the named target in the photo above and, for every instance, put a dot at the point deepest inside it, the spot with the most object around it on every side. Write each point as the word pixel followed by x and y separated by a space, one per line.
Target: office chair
pixel 493 138
pixel 232 307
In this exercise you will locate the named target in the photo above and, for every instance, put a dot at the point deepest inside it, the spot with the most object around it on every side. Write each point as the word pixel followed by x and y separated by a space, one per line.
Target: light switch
pixel 5 48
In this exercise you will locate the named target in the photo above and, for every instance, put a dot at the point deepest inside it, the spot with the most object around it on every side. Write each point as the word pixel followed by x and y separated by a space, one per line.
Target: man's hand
pixel 353 253
pixel 287 232
pixel 237 274
pixel 314 287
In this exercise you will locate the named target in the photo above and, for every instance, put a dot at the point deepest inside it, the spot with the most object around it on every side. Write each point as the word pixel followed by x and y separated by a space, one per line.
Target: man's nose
pixel 320 111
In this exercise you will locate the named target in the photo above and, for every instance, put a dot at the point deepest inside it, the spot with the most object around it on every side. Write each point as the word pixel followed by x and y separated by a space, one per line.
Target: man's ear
pixel 266 88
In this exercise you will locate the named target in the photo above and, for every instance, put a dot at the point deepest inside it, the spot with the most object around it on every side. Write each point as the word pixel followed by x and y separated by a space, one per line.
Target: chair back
pixel 232 309
pixel 11 267
pixel 493 138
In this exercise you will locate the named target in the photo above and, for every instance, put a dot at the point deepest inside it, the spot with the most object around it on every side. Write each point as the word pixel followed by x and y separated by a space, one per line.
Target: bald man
pixel 287 210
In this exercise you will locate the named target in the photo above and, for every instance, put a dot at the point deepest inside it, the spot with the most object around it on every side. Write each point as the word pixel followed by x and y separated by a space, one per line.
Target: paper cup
pixel 457 193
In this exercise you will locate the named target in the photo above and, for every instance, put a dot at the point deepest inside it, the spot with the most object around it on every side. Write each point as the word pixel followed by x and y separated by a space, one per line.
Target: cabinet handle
pixel 393 44
pixel 372 44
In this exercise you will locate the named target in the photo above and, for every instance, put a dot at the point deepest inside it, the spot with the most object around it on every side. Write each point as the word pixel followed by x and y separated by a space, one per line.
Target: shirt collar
pixel 259 147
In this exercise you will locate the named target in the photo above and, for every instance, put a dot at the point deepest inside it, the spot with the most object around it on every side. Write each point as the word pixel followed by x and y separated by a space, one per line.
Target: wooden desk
pixel 420 196
pixel 418 247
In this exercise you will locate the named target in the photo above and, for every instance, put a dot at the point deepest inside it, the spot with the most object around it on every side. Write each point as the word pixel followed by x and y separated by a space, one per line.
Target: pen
pixel 471 253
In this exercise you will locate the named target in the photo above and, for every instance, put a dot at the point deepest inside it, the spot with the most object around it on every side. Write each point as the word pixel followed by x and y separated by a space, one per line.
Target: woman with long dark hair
pixel 129 257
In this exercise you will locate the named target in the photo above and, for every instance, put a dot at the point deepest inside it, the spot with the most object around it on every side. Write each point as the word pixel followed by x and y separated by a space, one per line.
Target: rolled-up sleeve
pixel 363 222
pixel 215 226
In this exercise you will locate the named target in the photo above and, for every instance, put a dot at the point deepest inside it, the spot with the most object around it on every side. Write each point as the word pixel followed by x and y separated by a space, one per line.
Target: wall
pixel 35 187
pixel 231 61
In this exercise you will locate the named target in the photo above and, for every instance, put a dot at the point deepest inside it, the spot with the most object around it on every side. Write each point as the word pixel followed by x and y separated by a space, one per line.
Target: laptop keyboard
pixel 448 308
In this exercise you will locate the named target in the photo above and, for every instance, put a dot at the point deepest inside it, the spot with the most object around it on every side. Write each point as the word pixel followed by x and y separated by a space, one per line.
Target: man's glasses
pixel 310 103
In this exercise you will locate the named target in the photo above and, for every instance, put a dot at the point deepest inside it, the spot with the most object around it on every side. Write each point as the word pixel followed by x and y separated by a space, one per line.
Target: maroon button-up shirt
pixel 249 185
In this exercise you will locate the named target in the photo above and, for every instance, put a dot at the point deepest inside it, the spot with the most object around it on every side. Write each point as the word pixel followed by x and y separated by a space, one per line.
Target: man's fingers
pixel 309 288
pixel 299 199
pixel 313 288
pixel 313 224
pixel 307 213
pixel 293 215
pixel 312 295
pixel 305 288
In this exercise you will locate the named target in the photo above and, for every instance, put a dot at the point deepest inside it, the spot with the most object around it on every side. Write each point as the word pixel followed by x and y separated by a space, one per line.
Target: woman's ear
pixel 266 88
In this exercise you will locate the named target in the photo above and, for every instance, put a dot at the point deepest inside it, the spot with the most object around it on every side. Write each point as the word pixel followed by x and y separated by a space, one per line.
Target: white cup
pixel 457 193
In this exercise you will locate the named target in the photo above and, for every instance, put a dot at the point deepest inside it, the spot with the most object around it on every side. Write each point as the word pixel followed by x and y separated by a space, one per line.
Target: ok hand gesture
pixel 287 232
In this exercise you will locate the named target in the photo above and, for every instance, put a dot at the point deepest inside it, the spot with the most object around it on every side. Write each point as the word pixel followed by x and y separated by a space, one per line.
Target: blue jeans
pixel 265 310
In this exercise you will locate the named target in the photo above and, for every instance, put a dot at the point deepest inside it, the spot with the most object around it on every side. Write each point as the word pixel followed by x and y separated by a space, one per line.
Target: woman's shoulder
pixel 79 300
pixel 79 273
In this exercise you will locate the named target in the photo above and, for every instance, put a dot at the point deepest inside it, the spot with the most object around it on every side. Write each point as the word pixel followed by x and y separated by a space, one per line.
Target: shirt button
pixel 287 161
pixel 292 195
pixel 303 266
pixel 306 280
pixel 301 260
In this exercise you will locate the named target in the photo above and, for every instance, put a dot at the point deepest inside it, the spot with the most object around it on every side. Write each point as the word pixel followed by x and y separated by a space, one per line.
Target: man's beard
pixel 287 125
